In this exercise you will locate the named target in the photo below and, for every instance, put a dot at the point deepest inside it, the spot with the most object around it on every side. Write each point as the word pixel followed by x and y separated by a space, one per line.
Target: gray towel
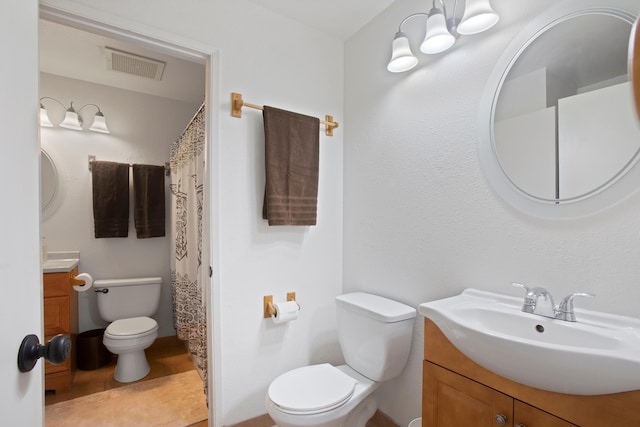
pixel 110 199
pixel 292 153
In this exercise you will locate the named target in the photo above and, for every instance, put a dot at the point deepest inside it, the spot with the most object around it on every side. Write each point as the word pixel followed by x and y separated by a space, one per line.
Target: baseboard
pixel 378 420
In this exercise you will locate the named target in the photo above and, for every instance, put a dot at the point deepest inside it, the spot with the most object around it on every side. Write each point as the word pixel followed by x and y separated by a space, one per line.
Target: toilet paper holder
pixel 269 310
pixel 77 282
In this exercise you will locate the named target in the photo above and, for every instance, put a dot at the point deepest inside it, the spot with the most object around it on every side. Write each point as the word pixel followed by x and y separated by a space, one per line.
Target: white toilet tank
pixel 126 298
pixel 375 334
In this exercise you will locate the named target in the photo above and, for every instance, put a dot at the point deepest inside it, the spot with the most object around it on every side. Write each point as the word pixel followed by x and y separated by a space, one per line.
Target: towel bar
pixel 236 111
pixel 167 165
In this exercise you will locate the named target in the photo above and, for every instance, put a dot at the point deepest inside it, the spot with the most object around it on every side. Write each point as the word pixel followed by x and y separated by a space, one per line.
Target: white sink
pixel 59 265
pixel 598 354
pixel 61 261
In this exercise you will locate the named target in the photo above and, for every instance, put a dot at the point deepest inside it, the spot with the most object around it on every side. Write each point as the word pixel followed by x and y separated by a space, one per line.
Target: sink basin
pixel 598 354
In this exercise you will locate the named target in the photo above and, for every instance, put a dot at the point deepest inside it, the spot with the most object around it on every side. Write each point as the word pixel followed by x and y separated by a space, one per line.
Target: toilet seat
pixel 126 329
pixel 311 389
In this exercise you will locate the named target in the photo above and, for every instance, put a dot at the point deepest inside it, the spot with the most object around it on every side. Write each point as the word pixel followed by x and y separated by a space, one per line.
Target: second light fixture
pixel 71 118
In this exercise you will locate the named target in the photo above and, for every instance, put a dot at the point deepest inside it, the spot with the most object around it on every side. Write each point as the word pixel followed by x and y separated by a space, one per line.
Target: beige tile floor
pixel 166 356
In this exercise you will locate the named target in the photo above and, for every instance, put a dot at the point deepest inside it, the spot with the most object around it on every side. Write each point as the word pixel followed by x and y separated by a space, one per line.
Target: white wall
pixel 270 60
pixel 420 219
pixel 142 130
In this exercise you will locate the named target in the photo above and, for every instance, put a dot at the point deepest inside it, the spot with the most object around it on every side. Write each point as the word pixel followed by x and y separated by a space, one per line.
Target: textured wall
pixel 421 221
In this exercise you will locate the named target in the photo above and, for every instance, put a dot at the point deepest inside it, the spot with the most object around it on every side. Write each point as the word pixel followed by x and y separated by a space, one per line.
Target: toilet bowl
pixel 321 395
pixel 375 336
pixel 128 305
pixel 128 338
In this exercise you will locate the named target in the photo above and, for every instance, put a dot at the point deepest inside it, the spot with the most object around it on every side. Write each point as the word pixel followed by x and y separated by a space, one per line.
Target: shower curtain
pixel 187 161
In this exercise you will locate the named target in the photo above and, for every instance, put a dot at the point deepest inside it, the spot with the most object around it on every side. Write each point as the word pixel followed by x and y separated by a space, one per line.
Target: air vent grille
pixel 130 63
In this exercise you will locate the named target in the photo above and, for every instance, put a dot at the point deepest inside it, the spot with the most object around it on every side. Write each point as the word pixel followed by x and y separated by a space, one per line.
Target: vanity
pixel 457 391
pixel 60 317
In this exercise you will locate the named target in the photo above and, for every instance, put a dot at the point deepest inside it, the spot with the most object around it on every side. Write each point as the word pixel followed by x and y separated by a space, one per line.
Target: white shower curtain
pixel 187 273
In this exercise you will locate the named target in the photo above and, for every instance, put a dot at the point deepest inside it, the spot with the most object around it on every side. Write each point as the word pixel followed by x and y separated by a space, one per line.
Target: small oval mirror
pixel 48 181
pixel 634 63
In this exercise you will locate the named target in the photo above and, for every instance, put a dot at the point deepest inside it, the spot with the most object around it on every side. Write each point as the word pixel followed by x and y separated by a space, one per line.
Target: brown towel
pixel 110 199
pixel 148 201
pixel 292 152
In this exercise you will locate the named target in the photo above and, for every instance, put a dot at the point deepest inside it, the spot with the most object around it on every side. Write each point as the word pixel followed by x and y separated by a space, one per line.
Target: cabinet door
pixel 56 316
pixel 451 400
pixel 528 416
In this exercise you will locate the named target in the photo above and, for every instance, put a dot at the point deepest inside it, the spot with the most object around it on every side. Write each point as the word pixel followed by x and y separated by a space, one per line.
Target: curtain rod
pixel 167 165
pixel 192 119
pixel 236 111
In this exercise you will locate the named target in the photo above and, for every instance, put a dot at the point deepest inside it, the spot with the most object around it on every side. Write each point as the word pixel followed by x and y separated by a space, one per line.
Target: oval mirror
pixel 561 129
pixel 634 63
pixel 48 181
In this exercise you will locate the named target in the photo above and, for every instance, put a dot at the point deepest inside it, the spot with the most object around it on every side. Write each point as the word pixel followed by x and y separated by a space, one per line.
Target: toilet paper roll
pixel 285 311
pixel 88 282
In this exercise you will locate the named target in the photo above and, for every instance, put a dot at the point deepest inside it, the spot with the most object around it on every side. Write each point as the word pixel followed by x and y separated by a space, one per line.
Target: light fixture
pixel 442 30
pixel 72 118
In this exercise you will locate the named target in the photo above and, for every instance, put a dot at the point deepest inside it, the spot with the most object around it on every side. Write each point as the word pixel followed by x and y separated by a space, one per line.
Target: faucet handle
pixel 529 304
pixel 520 285
pixel 565 308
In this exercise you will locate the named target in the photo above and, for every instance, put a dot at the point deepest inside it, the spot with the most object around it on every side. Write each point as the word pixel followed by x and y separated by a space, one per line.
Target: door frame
pixel 119 28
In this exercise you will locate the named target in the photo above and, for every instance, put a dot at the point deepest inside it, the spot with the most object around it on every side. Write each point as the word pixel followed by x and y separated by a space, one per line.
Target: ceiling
pixel 77 54
pixel 339 18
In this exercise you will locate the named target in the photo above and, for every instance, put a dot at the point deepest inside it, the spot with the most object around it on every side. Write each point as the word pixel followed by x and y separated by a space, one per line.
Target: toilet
pixel 127 304
pixel 375 337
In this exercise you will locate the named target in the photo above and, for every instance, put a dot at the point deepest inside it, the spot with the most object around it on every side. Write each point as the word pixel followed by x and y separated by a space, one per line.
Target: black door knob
pixel 55 351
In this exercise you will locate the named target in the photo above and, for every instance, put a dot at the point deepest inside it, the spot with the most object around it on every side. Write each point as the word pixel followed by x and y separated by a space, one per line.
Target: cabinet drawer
pixel 56 316
pixel 529 416
pixel 56 284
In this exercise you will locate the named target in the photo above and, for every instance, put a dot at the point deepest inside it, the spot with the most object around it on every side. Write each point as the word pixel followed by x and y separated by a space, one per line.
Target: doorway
pixel 206 57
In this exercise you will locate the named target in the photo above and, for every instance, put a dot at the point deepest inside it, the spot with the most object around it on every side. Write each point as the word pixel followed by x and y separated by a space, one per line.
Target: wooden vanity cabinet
pixel 458 392
pixel 60 317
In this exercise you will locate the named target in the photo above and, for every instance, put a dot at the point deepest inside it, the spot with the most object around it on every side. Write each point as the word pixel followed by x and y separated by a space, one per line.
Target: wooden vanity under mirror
pixel 60 317
pixel 458 392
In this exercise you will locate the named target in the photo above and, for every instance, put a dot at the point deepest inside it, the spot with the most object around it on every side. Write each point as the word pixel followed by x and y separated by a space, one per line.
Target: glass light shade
pixel 478 17
pixel 99 124
pixel 402 59
pixel 438 38
pixel 71 120
pixel 44 118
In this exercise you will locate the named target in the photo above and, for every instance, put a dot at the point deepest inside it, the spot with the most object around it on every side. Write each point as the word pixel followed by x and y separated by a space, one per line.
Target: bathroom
pixel 405 210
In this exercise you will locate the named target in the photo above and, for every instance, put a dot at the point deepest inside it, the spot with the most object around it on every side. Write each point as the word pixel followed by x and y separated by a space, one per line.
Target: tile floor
pixel 166 356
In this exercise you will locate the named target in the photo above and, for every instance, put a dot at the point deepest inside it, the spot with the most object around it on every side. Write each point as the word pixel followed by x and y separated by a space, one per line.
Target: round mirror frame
pixel 634 63
pixel 626 181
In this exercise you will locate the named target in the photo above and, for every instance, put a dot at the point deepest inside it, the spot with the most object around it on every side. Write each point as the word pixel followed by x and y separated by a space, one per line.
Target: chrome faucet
pixel 539 301
pixel 565 309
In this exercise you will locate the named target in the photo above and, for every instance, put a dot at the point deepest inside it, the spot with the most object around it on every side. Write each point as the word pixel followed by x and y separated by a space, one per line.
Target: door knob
pixel 55 351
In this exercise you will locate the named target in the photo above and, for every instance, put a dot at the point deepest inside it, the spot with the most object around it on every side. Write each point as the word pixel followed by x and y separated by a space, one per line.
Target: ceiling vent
pixel 130 63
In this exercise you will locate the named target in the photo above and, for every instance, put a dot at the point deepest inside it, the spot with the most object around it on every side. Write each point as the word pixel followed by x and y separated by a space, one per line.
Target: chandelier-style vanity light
pixel 72 120
pixel 442 30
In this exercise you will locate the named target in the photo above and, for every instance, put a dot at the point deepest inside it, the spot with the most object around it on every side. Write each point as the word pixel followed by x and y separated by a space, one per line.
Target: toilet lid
pixel 132 326
pixel 313 388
